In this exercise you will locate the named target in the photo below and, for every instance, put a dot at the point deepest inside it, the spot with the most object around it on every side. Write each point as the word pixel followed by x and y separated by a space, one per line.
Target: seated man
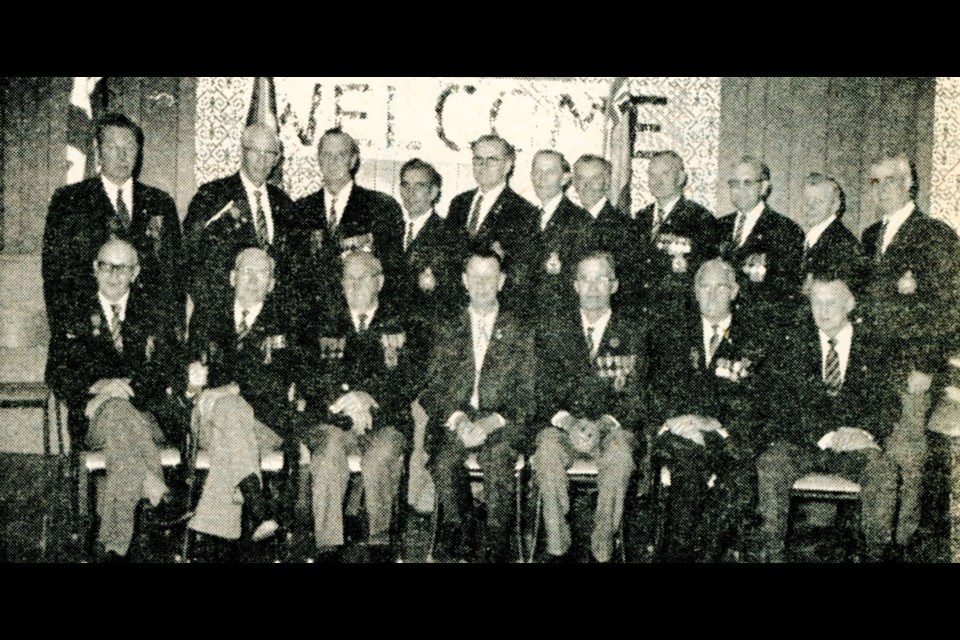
pixel 112 372
pixel 358 383
pixel 831 404
pixel 241 350
pixel 479 397
pixel 704 381
pixel 590 368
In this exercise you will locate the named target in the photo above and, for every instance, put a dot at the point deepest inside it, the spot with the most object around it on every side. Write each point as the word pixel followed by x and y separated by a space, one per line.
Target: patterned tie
pixel 243 329
pixel 657 222
pixel 122 212
pixel 263 238
pixel 831 370
pixel 332 215
pixel 590 345
pixel 409 239
pixel 362 321
pixel 544 221
pixel 481 353
pixel 714 342
pixel 883 232
pixel 116 328
pixel 474 224
pixel 738 229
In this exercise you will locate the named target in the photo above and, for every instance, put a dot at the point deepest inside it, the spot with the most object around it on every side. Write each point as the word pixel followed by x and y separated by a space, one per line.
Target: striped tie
pixel 122 212
pixel 260 219
pixel 473 226
pixel 242 327
pixel 714 342
pixel 738 229
pixel 831 369
pixel 116 328
pixel 590 345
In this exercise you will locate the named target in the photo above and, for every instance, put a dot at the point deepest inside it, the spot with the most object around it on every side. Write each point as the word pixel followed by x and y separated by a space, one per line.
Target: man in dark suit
pixel 344 216
pixel 242 348
pixel 429 283
pixel 706 372
pixel 831 405
pixel 764 247
pixel 564 234
pixel 234 213
pixel 828 244
pixel 591 368
pixel 83 216
pixel 494 213
pixel 611 229
pixel 912 299
pixel 672 238
pixel 116 358
pixel 359 378
pixel 480 398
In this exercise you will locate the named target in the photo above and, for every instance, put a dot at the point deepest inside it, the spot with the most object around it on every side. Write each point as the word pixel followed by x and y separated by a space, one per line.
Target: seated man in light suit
pixel 480 397
pixel 591 365
pixel 358 381
pixel 240 350
pixel 116 359
pixel 831 405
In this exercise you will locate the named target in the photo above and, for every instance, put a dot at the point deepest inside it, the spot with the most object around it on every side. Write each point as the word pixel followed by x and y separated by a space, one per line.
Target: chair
pixel 582 473
pixel 822 487
pixel 34 395
pixel 475 473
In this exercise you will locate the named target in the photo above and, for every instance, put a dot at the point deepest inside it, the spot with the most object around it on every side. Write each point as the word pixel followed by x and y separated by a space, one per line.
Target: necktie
pixel 657 221
pixel 738 229
pixel 116 328
pixel 831 370
pixel 544 221
pixel 479 355
pixel 362 321
pixel 122 212
pixel 332 215
pixel 881 247
pixel 409 239
pixel 260 219
pixel 474 224
pixel 714 342
pixel 590 345
pixel 242 327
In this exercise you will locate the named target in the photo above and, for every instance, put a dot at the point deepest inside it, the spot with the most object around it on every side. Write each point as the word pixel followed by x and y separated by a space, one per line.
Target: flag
pixel 86 100
pixel 618 142
pixel 263 110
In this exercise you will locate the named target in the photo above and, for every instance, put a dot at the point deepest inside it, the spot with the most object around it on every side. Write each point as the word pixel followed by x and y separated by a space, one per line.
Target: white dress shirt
pixel 418 224
pixel 549 208
pixel 355 317
pixel 665 210
pixel 107 307
pixel 814 234
pixel 251 190
pixel 597 208
pixel 844 339
pixel 343 196
pixel 112 189
pixel 252 313
pixel 722 328
pixel 489 199
pixel 750 221
pixel 894 222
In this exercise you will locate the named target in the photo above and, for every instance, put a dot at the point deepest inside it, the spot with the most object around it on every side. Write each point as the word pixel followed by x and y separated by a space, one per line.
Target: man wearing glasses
pixel 763 246
pixel 83 216
pixel 235 213
pixel 591 405
pixel 912 299
pixel 115 363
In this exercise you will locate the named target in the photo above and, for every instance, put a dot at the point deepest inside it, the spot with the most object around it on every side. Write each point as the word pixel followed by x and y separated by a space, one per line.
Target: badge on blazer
pixel 907 285
pixel 332 348
pixel 271 343
pixel 149 350
pixel 427 281
pixel 755 266
pixel 695 359
pixel 362 242
pixel 733 370
pixel 155 227
pixel 392 343
pixel 616 368
pixel 553 264
pixel 614 343
pixel 316 240
pixel 97 322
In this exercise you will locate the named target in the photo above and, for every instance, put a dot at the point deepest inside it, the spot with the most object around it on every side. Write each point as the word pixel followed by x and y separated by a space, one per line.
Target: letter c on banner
pixel 441 101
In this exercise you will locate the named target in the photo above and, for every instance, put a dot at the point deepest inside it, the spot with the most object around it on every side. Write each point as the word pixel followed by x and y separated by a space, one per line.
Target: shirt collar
pixel 549 208
pixel 253 312
pixel 112 188
pixel 248 185
pixel 814 234
pixel 723 326
pixel 355 316
pixel 597 208
pixel 490 196
pixel 668 208
pixel 898 217
pixel 342 196
pixel 418 223
pixel 488 320
pixel 844 337
pixel 599 325
pixel 107 305
pixel 753 215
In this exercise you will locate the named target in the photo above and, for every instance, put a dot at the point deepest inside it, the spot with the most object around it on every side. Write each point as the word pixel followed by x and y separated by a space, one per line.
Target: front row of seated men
pixel 733 414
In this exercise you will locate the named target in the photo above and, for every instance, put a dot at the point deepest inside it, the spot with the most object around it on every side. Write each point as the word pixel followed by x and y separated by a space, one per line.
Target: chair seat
pixel 473 465
pixel 826 483
pixel 24 393
pixel 273 461
pixel 583 469
pixel 97 460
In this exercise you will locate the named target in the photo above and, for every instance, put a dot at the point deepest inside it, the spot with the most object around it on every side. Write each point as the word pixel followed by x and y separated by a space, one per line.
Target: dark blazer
pixel 214 242
pixel 80 219
pixel 506 379
pixel 836 247
pixel 923 324
pixel 682 384
pixel 567 238
pixel 781 241
pixel 570 379
pixel 262 363
pixel 434 248
pixel 800 409
pixel 655 281
pixel 362 364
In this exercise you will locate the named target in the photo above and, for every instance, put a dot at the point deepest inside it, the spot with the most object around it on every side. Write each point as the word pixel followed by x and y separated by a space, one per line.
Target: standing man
pixel 494 213
pixel 828 243
pixel 83 216
pixel 763 246
pixel 235 213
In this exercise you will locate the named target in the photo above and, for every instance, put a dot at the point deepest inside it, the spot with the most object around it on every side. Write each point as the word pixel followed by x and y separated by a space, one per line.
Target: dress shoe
pixel 171 510
pixel 264 530
pixel 112 557
pixel 326 555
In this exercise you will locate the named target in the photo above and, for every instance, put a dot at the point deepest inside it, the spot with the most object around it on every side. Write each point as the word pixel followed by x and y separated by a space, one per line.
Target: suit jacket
pixel 655 280
pixel 80 219
pixel 780 240
pixel 681 382
pixel 559 248
pixel 921 325
pixel 262 363
pixel 434 248
pixel 800 409
pixel 362 363
pixel 213 241
pixel 570 379
pixel 506 378
pixel 837 246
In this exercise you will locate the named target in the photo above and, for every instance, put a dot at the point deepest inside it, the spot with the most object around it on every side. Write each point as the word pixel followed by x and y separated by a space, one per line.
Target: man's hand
pixel 852 439
pixel 584 436
pixel 566 422
pixel 354 401
pixel 112 388
pixel 361 417
pixel 470 434
pixel 489 424
pixel 209 397
pixel 918 382
pixel 687 427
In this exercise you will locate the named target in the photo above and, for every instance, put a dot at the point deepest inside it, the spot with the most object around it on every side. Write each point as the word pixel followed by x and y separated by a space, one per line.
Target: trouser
pixel 711 493
pixel 129 439
pixel 783 463
pixel 235 442
pixel 381 465
pixel 907 447
pixel 497 459
pixel 614 458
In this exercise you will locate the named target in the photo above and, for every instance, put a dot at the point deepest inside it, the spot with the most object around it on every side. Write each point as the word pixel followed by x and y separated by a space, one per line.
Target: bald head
pixel 261 152
pixel 715 286
pixel 252 276
pixel 116 268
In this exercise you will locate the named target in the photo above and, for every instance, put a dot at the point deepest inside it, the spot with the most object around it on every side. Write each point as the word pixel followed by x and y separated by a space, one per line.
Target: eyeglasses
pixel 598 281
pixel 260 153
pixel 734 184
pixel 350 280
pixel 486 161
pixel 109 268
pixel 886 182
pixel 250 273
